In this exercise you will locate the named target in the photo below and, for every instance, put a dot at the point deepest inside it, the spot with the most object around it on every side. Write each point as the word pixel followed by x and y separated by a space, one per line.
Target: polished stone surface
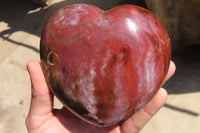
pixel 104 66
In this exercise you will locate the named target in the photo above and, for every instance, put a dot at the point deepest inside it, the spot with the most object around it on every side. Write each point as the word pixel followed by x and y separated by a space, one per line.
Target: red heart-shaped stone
pixel 104 66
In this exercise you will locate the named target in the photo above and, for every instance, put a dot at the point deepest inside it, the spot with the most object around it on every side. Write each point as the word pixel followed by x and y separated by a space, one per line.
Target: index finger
pixel 171 71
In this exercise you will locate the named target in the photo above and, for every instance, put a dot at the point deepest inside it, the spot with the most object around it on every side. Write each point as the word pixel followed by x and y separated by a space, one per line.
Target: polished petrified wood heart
pixel 104 66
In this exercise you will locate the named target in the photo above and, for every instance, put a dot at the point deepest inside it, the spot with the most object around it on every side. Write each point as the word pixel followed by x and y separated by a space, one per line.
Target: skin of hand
pixel 43 118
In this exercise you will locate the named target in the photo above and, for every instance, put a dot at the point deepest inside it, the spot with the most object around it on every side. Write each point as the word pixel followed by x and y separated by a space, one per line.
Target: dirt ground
pixel 21 24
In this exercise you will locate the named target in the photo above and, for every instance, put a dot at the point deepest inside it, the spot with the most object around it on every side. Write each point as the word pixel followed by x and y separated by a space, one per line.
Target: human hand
pixel 43 118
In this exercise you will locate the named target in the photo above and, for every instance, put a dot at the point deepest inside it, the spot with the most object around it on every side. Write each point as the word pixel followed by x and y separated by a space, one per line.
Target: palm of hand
pixel 54 123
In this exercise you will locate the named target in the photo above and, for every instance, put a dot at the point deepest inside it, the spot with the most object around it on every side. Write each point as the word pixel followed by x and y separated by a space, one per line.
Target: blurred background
pixel 21 25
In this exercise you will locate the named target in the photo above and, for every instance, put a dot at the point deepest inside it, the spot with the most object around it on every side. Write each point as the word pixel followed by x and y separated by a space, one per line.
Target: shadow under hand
pixel 186 111
pixel 187 76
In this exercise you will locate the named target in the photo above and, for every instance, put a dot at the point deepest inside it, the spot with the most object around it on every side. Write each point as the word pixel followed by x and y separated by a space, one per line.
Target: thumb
pixel 42 98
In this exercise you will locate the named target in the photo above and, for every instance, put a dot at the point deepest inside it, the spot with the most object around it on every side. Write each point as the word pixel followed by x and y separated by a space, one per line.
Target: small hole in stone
pixel 52 58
